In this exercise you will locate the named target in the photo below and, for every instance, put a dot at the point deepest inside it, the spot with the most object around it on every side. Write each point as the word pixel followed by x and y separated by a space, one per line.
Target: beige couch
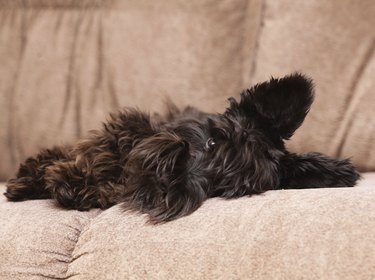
pixel 65 64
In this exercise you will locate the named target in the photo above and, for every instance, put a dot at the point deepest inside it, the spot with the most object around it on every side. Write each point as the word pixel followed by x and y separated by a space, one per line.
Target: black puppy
pixel 166 167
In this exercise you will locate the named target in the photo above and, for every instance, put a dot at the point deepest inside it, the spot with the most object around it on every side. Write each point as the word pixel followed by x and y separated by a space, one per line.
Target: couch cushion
pixel 37 238
pixel 294 234
pixel 65 65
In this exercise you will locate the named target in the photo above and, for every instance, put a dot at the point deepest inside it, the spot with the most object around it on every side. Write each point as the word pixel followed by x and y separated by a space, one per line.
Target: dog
pixel 167 166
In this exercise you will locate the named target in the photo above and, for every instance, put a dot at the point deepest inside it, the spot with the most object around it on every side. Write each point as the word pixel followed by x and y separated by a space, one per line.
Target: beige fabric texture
pixel 294 234
pixel 334 43
pixel 37 238
pixel 66 64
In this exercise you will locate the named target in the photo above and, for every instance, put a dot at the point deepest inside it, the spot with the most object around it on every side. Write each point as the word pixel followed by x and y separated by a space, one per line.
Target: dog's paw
pixel 346 174
pixel 19 189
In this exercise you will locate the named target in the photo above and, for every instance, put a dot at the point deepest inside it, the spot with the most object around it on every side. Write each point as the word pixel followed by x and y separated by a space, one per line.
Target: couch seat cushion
pixel 37 238
pixel 286 234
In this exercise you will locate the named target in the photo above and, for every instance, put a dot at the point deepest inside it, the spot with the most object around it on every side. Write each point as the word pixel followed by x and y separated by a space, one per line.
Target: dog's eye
pixel 209 144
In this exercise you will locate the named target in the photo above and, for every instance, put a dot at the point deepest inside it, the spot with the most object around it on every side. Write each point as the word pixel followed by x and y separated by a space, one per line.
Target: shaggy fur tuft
pixel 168 166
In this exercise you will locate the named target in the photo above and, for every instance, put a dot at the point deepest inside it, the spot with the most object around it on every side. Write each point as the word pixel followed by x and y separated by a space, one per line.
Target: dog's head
pixel 244 145
pixel 231 154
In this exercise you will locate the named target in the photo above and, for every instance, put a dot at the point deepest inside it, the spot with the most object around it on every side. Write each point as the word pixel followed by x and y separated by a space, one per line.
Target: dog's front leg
pixel 314 170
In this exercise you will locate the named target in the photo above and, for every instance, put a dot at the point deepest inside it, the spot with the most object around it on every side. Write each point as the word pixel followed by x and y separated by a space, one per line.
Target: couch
pixel 65 64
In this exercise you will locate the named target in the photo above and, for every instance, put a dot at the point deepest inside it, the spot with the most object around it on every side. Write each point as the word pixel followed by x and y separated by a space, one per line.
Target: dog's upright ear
pixel 158 182
pixel 279 104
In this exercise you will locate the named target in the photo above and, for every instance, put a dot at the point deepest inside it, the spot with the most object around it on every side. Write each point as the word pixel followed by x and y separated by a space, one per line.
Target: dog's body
pixel 167 166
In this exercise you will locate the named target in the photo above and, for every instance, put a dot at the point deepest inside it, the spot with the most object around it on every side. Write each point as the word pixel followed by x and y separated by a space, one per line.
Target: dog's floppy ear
pixel 279 103
pixel 157 180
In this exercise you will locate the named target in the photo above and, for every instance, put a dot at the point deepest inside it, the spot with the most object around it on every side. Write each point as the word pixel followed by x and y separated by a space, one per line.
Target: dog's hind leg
pixel 88 175
pixel 74 188
pixel 29 182
pixel 95 178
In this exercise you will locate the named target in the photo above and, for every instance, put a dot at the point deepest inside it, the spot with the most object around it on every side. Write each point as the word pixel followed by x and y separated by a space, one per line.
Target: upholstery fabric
pixel 286 234
pixel 37 238
pixel 310 234
pixel 334 43
pixel 66 64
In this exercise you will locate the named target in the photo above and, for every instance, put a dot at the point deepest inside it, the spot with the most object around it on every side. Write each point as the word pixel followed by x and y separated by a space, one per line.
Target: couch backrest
pixel 65 64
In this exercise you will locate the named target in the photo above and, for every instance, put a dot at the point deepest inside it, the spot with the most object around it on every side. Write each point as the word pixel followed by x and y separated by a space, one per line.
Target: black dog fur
pixel 168 166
